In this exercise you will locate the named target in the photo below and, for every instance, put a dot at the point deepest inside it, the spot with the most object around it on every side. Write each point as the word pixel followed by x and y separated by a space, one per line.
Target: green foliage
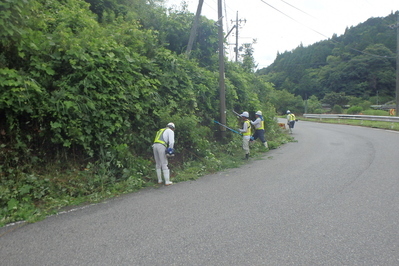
pixel 375 112
pixel 12 18
pixel 313 105
pixel 18 197
pixel 337 109
pixel 354 110
pixel 380 99
pixel 240 88
pixel 359 63
pixel 365 105
pixel 248 61
pixel 104 7
pixel 333 98
pixel 82 95
pixel 283 101
pixel 352 100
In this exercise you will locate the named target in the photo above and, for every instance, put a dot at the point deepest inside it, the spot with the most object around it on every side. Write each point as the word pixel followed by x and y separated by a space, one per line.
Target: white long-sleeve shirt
pixel 257 123
pixel 245 129
pixel 169 137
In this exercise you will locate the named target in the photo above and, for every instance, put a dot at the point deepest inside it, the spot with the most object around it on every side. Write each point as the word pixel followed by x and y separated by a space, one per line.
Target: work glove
pixel 170 152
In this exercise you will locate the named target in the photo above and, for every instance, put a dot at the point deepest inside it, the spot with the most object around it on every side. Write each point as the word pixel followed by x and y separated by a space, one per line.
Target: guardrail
pixel 355 117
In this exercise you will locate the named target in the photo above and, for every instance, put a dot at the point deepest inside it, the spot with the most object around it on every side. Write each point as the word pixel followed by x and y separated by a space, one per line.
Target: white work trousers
pixel 161 160
pixel 245 143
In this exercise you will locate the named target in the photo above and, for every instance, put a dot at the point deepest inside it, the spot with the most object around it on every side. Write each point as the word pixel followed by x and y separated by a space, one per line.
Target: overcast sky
pixel 282 25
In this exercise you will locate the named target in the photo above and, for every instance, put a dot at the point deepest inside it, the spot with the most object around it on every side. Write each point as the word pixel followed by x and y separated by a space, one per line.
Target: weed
pixel 32 197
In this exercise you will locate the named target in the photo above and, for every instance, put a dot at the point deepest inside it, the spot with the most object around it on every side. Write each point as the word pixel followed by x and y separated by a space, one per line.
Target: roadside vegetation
pixel 353 122
pixel 85 85
pixel 353 106
pixel 33 195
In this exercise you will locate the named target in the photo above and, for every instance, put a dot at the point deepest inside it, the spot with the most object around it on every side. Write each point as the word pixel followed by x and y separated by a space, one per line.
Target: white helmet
pixel 258 113
pixel 171 125
pixel 288 111
pixel 245 114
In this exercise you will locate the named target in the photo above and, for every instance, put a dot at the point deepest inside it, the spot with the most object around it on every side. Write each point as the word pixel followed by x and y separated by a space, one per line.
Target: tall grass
pixel 50 192
pixel 375 112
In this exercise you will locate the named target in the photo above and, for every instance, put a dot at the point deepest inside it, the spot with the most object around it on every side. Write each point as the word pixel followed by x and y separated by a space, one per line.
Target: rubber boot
pixel 247 156
pixel 159 175
pixel 166 175
pixel 266 146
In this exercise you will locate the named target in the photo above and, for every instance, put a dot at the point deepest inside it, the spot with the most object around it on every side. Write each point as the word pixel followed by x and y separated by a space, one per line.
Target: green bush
pixel 337 109
pixel 313 105
pixel 354 110
pixel 365 105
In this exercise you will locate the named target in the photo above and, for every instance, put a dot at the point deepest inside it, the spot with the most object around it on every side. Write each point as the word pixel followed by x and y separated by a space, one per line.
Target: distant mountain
pixel 360 63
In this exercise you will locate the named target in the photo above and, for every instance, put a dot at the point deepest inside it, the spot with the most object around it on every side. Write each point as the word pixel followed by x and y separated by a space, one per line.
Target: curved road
pixel 331 198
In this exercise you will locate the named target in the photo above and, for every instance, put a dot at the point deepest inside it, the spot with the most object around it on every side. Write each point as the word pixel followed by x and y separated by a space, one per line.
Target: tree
pixel 333 98
pixel 284 100
pixel 248 60
pixel 313 105
pixel 358 63
pixel 309 84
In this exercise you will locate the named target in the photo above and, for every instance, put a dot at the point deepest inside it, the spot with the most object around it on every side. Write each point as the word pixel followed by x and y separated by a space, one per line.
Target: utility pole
pixel 306 103
pixel 397 64
pixel 237 21
pixel 396 26
pixel 194 28
pixel 222 92
pixel 236 37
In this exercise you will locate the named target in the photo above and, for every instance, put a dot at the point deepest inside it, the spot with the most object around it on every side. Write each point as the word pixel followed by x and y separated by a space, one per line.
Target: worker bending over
pixel 165 137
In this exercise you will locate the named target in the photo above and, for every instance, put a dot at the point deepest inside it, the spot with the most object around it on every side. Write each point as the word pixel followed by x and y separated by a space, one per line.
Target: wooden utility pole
pixel 222 92
pixel 397 64
pixel 194 28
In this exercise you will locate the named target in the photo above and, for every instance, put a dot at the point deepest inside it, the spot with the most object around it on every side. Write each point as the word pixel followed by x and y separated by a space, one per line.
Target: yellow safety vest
pixel 248 133
pixel 292 117
pixel 159 138
pixel 262 125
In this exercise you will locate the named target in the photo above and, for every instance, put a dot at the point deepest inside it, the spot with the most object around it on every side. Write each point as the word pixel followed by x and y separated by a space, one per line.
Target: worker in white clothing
pixel 163 146
pixel 259 125
pixel 246 133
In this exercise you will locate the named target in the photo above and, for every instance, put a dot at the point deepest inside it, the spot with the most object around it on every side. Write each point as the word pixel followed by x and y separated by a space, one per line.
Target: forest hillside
pixel 360 63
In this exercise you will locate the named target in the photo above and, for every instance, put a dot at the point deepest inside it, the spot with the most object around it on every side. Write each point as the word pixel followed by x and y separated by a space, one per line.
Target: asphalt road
pixel 331 198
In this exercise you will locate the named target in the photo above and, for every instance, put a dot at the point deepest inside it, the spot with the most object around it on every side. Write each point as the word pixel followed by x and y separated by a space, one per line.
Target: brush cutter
pixel 235 131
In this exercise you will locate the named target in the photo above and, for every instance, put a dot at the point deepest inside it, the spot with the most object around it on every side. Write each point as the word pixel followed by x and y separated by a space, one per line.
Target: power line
pixel 298 9
pixel 293 19
pixel 379 56
pixel 227 25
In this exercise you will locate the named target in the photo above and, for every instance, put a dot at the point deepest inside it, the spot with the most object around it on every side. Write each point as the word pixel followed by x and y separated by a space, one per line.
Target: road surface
pixel 331 198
